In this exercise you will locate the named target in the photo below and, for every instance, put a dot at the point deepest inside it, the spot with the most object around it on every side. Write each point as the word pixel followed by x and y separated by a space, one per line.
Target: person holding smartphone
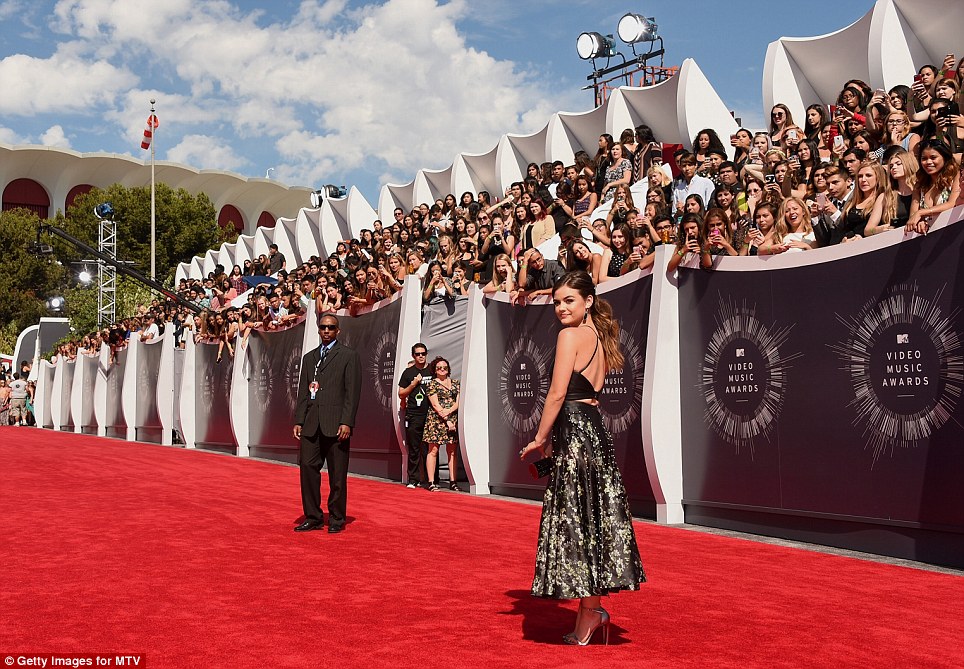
pixel 692 247
pixel 717 234
pixel 641 256
pixel 760 237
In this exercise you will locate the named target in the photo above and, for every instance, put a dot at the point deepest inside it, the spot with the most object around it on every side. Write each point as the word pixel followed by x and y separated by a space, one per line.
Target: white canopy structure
pixel 885 48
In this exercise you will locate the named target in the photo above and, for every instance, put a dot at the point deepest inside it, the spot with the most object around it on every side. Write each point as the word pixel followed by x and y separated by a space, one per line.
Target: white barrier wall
pixel 164 386
pixel 663 386
pixel 82 393
pixel 45 389
pixel 60 399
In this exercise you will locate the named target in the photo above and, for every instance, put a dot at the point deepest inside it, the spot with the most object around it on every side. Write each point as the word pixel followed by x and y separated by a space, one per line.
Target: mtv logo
pixel 740 352
pixel 522 366
pixel 903 339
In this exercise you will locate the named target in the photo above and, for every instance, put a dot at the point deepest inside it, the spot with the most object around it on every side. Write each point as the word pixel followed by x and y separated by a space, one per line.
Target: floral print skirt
pixel 587 545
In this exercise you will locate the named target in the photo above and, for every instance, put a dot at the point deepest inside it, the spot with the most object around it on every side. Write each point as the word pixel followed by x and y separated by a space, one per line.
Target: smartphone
pixel 821 200
pixel 919 79
pixel 741 204
pixel 732 140
pixel 881 92
pixel 838 142
pixel 942 112
pixel 833 111
pixel 791 134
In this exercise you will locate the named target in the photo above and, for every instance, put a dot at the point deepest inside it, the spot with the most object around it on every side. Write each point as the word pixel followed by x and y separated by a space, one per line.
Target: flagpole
pixel 153 221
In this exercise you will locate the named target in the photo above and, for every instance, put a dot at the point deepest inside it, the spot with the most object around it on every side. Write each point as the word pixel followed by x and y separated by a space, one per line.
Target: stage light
pixel 40 249
pixel 104 210
pixel 633 28
pixel 327 192
pixel 595 45
pixel 84 276
pixel 56 304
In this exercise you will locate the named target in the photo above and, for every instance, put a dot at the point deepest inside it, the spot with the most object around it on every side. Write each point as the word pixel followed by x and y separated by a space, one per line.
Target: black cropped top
pixel 579 386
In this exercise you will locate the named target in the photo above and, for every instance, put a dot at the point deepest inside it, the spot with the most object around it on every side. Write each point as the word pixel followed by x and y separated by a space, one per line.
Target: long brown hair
pixel 602 315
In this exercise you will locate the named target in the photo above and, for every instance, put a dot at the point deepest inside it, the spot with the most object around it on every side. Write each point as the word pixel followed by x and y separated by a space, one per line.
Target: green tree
pixel 26 280
pixel 81 303
pixel 186 225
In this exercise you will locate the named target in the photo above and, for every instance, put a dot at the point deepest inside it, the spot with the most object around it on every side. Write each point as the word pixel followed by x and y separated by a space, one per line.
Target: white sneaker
pixel 411 485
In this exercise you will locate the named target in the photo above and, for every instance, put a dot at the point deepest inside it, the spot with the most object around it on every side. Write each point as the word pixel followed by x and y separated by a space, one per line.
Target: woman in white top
pixel 793 228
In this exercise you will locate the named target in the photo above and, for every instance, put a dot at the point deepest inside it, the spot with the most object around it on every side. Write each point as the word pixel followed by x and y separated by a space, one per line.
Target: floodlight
pixel 327 192
pixel 633 28
pixel 594 45
pixel 84 276
pixel 104 210
pixel 55 304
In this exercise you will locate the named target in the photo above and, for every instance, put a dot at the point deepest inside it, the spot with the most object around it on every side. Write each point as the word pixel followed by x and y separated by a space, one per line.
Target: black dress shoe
pixel 335 529
pixel 309 525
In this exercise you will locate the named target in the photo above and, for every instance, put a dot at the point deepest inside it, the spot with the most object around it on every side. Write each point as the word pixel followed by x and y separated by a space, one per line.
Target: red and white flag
pixel 149 132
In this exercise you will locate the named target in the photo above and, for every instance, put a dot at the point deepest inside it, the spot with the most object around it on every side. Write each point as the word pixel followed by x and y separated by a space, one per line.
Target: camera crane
pixel 45 249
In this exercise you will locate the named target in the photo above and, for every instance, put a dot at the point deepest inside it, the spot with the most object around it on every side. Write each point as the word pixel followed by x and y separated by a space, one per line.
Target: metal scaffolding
pixel 106 273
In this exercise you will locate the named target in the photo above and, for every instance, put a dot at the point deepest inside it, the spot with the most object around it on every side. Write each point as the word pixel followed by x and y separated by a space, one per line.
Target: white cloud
pixel 61 83
pixel 206 152
pixel 54 136
pixel 11 8
pixel 8 136
pixel 387 87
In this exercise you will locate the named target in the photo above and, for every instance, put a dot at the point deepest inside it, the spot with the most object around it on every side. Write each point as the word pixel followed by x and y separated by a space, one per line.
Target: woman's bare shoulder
pixel 574 336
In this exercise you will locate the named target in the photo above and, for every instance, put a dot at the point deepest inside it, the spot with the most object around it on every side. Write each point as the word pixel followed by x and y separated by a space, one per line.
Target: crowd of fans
pixel 871 161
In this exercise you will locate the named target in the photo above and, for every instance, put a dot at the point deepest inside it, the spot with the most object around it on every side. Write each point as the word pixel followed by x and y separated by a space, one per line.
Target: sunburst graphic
pixel 381 368
pixel 621 398
pixel 524 384
pixel 744 376
pixel 291 376
pixel 115 374
pixel 264 382
pixel 903 354
pixel 208 387
pixel 89 380
pixel 147 383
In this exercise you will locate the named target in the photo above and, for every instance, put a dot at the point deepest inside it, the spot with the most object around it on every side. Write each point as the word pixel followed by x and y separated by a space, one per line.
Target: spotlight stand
pixel 106 274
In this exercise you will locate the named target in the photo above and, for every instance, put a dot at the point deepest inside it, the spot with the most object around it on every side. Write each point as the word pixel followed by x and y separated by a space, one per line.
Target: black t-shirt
pixel 277 261
pixel 544 278
pixel 416 404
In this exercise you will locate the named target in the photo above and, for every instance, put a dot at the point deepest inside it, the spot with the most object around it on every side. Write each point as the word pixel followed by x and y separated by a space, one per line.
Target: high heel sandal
pixel 572 640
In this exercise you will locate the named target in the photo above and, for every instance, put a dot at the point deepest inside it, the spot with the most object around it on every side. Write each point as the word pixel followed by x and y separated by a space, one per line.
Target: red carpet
pixel 189 559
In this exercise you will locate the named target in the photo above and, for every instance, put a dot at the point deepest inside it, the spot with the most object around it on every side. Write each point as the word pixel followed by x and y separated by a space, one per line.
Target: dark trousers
pixel 315 452
pixel 414 429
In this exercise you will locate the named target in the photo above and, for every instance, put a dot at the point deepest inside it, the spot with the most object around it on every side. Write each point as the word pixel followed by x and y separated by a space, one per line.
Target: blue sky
pixel 353 93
